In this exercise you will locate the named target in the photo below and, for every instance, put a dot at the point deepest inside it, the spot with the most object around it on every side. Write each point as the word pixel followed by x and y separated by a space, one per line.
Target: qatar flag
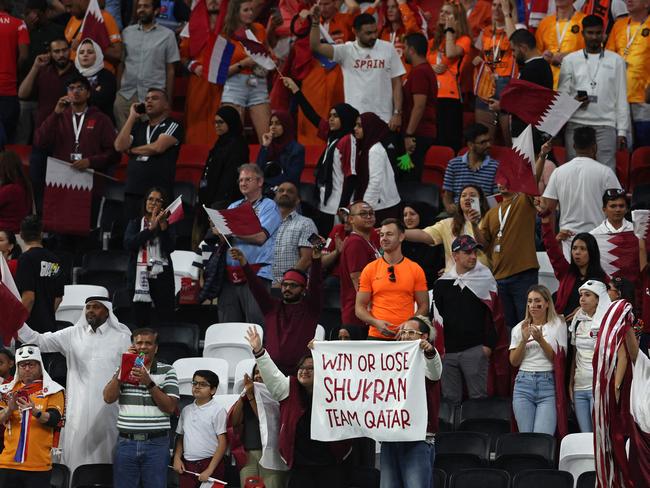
pixel 238 221
pixel 175 210
pixel 256 50
pixel 516 169
pixel 619 254
pixel 641 221
pixel 94 27
pixel 14 313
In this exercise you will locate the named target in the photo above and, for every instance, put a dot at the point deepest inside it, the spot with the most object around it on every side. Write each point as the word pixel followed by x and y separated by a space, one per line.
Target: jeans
pixel 513 294
pixel 141 461
pixel 407 464
pixel 533 402
pixel 583 403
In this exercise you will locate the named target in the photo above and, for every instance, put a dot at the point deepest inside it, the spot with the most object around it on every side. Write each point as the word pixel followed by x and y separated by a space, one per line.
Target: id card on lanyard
pixel 148 134
pixel 76 155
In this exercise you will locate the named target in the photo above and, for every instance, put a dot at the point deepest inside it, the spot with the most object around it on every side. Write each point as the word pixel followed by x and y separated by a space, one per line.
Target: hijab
pixel 279 144
pixel 99 59
pixel 424 211
pixel 230 116
pixel 374 130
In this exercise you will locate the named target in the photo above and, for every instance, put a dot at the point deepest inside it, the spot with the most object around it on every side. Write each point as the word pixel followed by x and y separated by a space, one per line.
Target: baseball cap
pixel 464 243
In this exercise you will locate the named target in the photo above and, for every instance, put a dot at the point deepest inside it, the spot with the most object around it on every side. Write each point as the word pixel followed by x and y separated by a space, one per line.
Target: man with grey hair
pixel 236 303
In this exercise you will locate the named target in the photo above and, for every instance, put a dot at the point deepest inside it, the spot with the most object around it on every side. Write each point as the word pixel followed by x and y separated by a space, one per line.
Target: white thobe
pixel 90 432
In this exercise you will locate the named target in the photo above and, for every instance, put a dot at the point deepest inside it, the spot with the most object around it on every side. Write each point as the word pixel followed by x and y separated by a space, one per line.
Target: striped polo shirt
pixel 138 412
pixel 458 174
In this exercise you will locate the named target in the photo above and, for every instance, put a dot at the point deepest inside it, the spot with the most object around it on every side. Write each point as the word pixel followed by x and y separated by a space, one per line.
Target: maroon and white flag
pixel 517 169
pixel 66 202
pixel 545 109
pixel 12 311
pixel 239 221
pixel 619 254
pixel 94 27
pixel 641 221
pixel 256 50
pixel 175 210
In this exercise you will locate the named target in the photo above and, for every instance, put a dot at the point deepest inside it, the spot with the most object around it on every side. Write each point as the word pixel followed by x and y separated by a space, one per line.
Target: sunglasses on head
pixel 614 193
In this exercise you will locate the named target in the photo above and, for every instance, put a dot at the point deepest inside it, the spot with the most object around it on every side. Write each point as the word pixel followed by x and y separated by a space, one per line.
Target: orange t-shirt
pixel 449 81
pixel 636 55
pixel 495 46
pixel 564 36
pixel 392 301
pixel 409 26
pixel 73 32
pixel 479 17
pixel 239 54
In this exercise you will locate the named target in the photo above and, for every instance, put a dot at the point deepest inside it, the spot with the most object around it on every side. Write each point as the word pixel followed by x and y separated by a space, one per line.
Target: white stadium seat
pixel 577 454
pixel 228 341
pixel 186 367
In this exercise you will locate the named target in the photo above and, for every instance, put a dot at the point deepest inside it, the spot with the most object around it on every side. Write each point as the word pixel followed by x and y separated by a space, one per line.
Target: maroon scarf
pixel 279 144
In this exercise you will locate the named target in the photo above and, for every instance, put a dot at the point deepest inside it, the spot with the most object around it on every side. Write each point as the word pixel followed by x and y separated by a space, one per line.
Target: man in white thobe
pixel 93 350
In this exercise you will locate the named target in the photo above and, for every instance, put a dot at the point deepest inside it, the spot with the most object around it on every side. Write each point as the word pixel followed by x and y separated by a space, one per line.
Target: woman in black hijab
pixel 418 215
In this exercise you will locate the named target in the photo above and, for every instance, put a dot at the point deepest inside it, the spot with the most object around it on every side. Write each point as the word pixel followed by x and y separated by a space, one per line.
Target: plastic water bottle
pixel 138 363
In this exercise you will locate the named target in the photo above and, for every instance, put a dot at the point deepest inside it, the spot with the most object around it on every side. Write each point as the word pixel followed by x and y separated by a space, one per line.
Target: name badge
pixel 142 159
pixel 76 157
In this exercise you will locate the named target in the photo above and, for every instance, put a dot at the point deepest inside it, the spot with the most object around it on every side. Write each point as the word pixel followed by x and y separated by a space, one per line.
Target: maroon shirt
pixel 421 81
pixel 15 205
pixel 356 254
pixel 49 86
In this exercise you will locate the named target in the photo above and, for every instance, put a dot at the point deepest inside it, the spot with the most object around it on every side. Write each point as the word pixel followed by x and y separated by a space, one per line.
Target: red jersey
pixel 13 32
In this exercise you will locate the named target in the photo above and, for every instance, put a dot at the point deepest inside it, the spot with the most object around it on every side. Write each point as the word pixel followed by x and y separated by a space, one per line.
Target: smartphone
pixel 21 394
pixel 475 204
pixel 140 108
pixel 582 94
pixel 316 241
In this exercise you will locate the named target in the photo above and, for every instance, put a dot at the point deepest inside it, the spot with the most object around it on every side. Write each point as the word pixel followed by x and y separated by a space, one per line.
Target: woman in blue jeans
pixel 594 301
pixel 533 346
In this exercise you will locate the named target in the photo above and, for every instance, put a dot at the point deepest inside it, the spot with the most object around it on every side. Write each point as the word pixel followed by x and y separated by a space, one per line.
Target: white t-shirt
pixel 534 357
pixel 607 228
pixel 381 191
pixel 578 186
pixel 367 75
pixel 200 426
pixel 583 336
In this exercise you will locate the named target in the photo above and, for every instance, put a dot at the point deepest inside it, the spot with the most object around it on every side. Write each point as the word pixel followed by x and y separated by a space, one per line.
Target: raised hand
pixel 254 339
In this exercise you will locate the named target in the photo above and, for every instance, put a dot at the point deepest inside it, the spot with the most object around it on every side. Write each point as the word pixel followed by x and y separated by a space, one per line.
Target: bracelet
pixel 450 29
pixel 259 353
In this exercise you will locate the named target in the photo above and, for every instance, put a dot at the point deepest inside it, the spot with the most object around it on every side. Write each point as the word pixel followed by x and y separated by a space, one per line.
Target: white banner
pixel 369 389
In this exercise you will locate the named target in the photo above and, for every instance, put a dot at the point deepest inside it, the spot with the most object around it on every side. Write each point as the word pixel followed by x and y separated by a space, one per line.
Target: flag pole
pixel 213 480
pixel 98 173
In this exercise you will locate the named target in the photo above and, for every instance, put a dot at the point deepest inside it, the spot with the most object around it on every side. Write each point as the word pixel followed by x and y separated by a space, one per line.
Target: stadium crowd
pixel 364 150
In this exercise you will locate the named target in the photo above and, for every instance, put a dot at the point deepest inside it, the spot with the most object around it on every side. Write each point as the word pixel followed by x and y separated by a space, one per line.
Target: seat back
pixel 640 167
pixel 456 451
pixel 183 264
pixel 483 477
pixel 69 313
pixel 60 476
pixel 586 480
pixel 228 341
pixel 226 401
pixel 530 443
pixel 245 366
pixel 99 475
pixel 489 415
pixel 116 261
pixel 447 416
pixel 542 478
pixel 577 454
pixel 435 164
pixel 308 199
pixel 177 340
pixel 75 295
pixel 195 154
pixel 319 335
pixel 186 367
pixel 439 478
pixel 414 191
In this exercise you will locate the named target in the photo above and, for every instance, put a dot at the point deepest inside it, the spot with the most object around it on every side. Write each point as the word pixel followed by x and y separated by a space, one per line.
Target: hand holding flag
pixel 94 27
pixel 175 211
pixel 238 221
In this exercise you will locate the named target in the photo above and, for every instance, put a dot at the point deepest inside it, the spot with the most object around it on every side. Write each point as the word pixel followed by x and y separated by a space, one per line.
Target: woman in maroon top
pixel 15 192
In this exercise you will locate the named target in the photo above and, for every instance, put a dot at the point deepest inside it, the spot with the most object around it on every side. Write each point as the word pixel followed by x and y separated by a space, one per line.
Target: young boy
pixel 201 441
pixel 614 208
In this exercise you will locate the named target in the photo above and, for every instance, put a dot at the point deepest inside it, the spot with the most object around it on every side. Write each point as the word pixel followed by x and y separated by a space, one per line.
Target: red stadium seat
pixel 640 167
pixel 559 153
pixel 253 151
pixel 23 150
pixel 435 163
pixel 189 172
pixel 623 168
pixel 312 154
pixel 193 154
pixel 120 171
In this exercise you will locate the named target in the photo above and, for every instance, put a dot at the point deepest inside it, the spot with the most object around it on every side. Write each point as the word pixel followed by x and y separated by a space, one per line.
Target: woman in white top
pixel 534 344
pixel 594 301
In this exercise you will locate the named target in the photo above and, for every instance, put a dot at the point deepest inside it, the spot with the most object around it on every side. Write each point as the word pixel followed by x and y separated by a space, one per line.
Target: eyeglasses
pixel 201 384
pixel 391 274
pixel 614 192
pixel 287 284
pixel 306 368
pixel 366 214
pixel 409 332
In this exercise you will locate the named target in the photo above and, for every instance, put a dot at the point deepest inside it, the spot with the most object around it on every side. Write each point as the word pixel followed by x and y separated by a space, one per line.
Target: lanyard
pixel 374 249
pixel 559 37
pixel 496 47
pixel 393 37
pixel 151 132
pixel 77 128
pixel 629 40
pixel 592 83
pixel 503 218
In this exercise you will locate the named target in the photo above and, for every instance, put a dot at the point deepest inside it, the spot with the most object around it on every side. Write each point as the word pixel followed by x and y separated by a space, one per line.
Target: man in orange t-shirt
pixel 390 286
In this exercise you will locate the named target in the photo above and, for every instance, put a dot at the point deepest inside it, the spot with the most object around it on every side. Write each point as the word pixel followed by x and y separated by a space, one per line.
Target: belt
pixel 143 436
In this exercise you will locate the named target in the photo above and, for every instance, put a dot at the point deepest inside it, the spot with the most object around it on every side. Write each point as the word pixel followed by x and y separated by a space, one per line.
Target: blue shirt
pixel 458 174
pixel 270 219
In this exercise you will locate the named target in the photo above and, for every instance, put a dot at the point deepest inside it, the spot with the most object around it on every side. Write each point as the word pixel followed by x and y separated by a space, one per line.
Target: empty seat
pixel 641 196
pixel 308 199
pixel 577 454
pixel 123 307
pixel 586 480
pixel 439 478
pixel 56 366
pixel 447 416
pixel 95 475
pixel 177 340
pixel 542 478
pixel 546 273
pixel 195 154
pixel 414 191
pixel 640 167
pixel 182 262
pixel 77 294
pixel 456 451
pixel 489 415
pixel 245 366
pixel 623 167
pixel 60 476
pixel 226 401
pixel 104 268
pixel 186 367
pixel 435 164
pixel 516 452
pixel 228 341
pixel 483 477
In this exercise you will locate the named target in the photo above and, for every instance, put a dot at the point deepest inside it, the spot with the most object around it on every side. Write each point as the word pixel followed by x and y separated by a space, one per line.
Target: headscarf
pixel 424 210
pixel 288 134
pixel 99 59
pixel 374 130
pixel 599 289
pixel 231 117
pixel 112 321
pixel 348 116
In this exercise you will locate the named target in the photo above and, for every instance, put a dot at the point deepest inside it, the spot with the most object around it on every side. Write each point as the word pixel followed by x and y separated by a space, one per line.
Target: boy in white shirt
pixel 201 442
pixel 614 208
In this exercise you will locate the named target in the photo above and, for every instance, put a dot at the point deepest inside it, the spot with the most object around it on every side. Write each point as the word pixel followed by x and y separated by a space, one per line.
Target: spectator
pixel 7 363
pixel 14 52
pixel 417 215
pixel 465 220
pixel 42 31
pixel 594 302
pixel 236 303
pixel 292 247
pixel 312 463
pixel 475 167
pixel 390 285
pixel 535 342
pixel 369 172
pixel 16 200
pixel 10 250
pixel 358 251
pixel 350 333
pixel 246 86
pixel 93 350
pixel 634 48
pixel 150 276
pixel 153 146
pixel 90 63
pixel 559 34
pixel 113 53
pixel 420 93
pixel 410 464
pixel 142 450
pixel 371 68
pixel 201 441
pixel 39 278
pixel 397 19
pixel 26 459
pixel 149 61
pixel 603 94
pixel 470 333
pixel 203 98
pixel 281 157
pixel 290 322
pixel 619 287
pixel 260 457
pixel 615 208
pixel 577 187
pixel 479 15
pixel 448 51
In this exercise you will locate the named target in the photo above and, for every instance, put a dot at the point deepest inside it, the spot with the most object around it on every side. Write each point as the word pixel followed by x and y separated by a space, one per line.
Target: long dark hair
pixel 458 223
pixel 11 171
pixel 163 195
pixel 594 270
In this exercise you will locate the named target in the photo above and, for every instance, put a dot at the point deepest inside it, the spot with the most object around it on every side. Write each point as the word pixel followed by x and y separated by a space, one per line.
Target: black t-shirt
pixel 144 172
pixel 40 271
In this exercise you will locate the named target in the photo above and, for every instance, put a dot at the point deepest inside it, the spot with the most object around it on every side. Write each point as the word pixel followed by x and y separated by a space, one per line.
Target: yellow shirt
pixel 562 36
pixel 441 233
pixel 636 55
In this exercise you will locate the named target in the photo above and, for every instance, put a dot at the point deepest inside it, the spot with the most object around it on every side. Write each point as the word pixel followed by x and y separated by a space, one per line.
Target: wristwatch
pixel 150 385
pixel 38 414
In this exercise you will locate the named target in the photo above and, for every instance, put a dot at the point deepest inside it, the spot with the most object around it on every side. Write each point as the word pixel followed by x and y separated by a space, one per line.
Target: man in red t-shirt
pixel 14 42
pixel 420 93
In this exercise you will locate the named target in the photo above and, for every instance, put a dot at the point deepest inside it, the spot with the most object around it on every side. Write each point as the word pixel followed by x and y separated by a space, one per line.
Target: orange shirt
pixel 563 36
pixel 409 26
pixel 495 47
pixel 449 81
pixel 239 54
pixel 39 438
pixel 392 301
pixel 631 41
pixel 73 32
pixel 479 17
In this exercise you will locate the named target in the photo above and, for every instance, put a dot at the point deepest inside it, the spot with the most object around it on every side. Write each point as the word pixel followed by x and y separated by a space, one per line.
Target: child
pixel 201 441
pixel 6 365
